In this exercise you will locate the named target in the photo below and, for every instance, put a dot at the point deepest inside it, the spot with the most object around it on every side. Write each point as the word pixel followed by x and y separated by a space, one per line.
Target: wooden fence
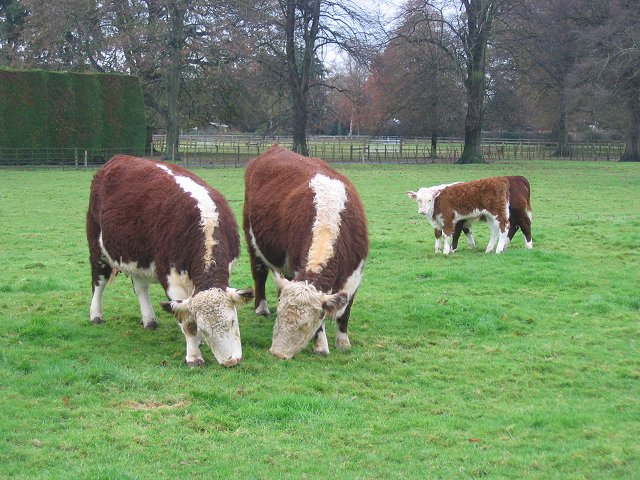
pixel 237 150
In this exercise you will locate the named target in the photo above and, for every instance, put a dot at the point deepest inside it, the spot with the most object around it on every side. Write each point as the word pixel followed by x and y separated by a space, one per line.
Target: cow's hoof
pixel 263 309
pixel 97 320
pixel 152 325
pixel 198 362
pixel 322 353
pixel 342 341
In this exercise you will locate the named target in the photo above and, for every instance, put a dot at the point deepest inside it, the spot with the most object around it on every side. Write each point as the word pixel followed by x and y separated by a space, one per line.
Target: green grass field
pixel 521 365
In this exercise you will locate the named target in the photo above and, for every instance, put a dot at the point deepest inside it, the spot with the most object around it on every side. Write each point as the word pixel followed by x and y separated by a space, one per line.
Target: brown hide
pixel 519 206
pixel 279 209
pixel 489 194
pixel 144 216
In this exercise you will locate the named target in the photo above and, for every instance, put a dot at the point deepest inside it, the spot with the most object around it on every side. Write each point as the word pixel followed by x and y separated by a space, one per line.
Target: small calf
pixel 520 216
pixel 447 205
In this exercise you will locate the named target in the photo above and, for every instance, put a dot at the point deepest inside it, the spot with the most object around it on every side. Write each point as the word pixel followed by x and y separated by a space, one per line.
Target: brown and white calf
pixel 158 222
pixel 304 221
pixel 445 206
pixel 520 216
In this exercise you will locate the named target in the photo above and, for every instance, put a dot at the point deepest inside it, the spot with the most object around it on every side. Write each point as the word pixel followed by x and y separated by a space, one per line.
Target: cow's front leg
pixel 141 287
pixel 447 243
pixel 503 239
pixel 342 336
pixel 194 356
pixel 471 242
pixel 438 246
pixel 320 342
pixel 259 271
pixel 494 232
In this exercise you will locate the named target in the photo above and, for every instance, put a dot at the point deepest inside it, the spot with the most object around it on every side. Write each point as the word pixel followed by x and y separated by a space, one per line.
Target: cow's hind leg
pixel 320 342
pixel 526 230
pixel 342 336
pixel 101 272
pixel 141 287
pixel 260 271
pixel 98 286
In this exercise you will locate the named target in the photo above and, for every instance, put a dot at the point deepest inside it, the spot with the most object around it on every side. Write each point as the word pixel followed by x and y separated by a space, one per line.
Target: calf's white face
pixel 425 198
pixel 214 313
pixel 301 311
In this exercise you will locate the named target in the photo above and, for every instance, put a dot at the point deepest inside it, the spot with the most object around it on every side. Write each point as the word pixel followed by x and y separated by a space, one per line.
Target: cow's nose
pixel 280 354
pixel 232 362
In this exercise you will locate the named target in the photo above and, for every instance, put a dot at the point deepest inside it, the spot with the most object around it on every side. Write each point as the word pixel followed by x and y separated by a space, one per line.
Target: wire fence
pixel 237 150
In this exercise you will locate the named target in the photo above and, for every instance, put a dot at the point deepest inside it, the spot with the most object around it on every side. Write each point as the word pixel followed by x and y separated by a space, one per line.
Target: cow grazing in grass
pixel 447 205
pixel 158 222
pixel 520 216
pixel 305 222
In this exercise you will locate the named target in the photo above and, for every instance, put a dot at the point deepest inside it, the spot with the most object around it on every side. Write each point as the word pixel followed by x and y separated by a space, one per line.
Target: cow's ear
pixel 281 282
pixel 412 195
pixel 240 297
pixel 332 304
pixel 175 306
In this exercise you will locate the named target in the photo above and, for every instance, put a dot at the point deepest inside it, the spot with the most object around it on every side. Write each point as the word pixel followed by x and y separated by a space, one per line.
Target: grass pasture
pixel 521 365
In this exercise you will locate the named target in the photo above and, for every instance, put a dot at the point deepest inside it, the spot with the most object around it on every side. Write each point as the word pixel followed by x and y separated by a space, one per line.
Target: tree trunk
pixel 562 131
pixel 632 138
pixel 475 84
pixel 300 126
pixel 173 79
pixel 479 18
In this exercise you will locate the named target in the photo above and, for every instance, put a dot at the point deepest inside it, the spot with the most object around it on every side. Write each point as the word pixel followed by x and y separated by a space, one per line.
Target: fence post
pixel 86 155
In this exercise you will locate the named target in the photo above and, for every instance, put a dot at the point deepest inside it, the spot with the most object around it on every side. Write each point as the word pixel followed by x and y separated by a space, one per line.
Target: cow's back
pixel 465 197
pixel 279 212
pixel 145 215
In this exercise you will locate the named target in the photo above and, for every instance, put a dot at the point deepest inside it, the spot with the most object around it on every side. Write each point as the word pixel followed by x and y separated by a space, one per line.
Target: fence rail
pixel 237 150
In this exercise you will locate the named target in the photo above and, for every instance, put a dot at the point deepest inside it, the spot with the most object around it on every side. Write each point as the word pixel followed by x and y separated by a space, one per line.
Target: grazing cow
pixel 157 222
pixel 447 205
pixel 305 221
pixel 520 216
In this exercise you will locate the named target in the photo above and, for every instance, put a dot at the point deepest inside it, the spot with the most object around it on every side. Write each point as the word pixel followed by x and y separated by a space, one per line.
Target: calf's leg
pixel 438 233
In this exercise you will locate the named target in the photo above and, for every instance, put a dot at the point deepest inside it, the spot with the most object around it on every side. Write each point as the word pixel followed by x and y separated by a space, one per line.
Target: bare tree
pixel 290 38
pixel 468 27
pixel 614 61
pixel 415 83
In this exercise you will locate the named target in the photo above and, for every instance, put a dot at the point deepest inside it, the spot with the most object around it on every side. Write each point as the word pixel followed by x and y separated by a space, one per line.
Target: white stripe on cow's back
pixel 330 198
pixel 207 207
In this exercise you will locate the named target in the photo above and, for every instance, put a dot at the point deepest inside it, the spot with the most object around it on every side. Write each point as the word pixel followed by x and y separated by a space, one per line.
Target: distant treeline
pixel 42 109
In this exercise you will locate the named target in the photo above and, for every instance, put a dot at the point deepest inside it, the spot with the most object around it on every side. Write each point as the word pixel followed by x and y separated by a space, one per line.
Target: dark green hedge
pixel 51 110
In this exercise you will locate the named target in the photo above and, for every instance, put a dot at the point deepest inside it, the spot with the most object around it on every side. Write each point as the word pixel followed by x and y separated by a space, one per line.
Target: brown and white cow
pixel 447 205
pixel 520 217
pixel 305 221
pixel 157 222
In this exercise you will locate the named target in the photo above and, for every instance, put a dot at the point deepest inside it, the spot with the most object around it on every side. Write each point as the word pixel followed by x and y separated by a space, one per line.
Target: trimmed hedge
pixel 55 110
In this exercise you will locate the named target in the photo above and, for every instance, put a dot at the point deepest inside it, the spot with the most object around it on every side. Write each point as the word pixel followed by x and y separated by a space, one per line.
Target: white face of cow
pixel 214 312
pixel 301 311
pixel 425 198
